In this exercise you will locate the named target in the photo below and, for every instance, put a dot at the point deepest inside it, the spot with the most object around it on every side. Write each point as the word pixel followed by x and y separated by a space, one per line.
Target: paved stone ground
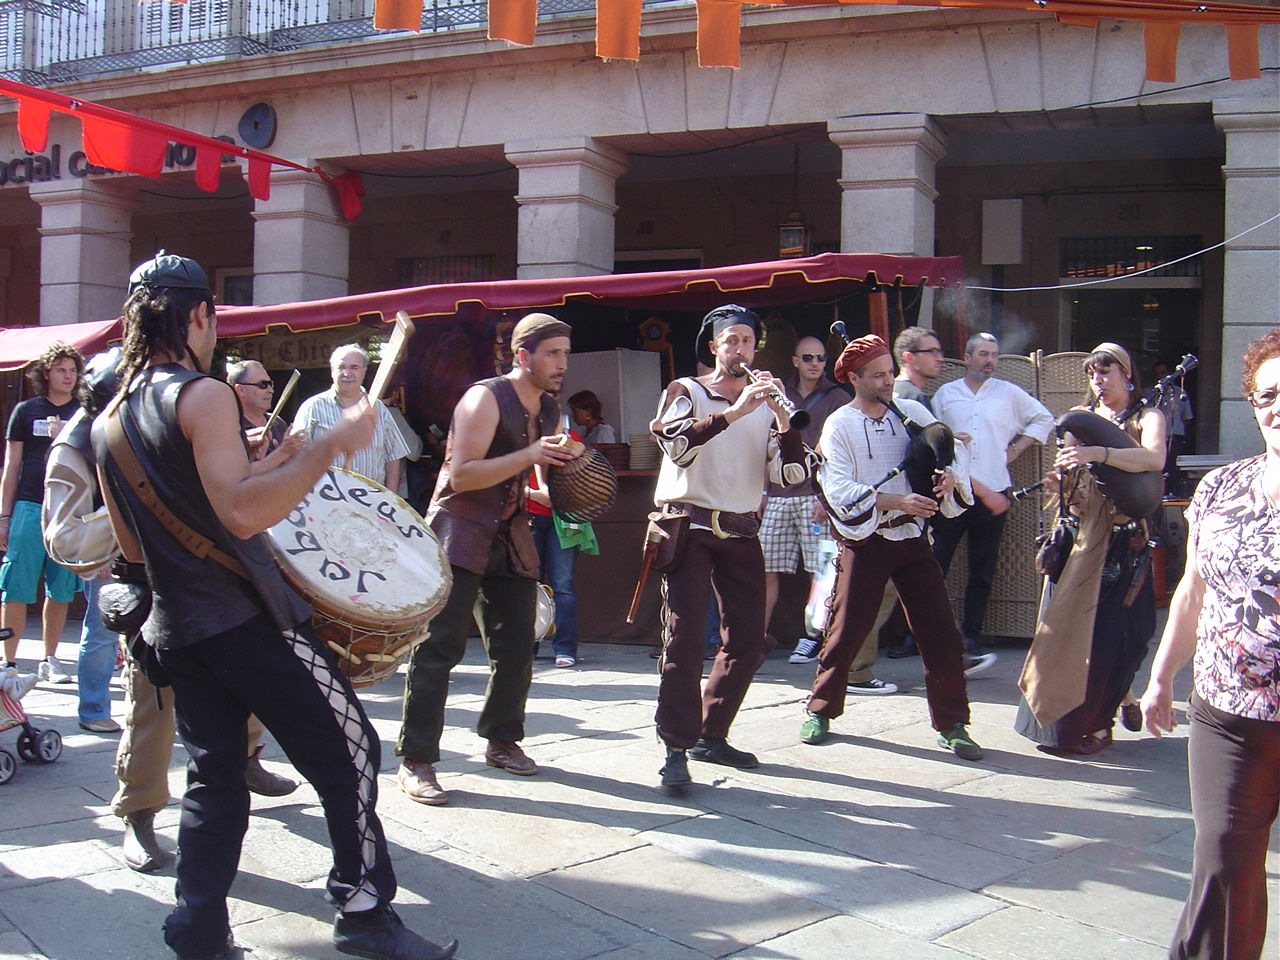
pixel 876 845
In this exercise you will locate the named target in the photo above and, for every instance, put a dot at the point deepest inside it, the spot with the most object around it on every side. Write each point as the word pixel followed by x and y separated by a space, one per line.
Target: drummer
pixel 883 536
pixel 234 641
pixel 502 428
pixel 256 391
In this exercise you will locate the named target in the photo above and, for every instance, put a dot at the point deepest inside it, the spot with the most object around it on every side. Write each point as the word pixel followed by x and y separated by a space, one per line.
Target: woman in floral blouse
pixel 1227 612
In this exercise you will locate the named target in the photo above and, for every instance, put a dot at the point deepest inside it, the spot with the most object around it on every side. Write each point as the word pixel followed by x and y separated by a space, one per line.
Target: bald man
pixel 787 534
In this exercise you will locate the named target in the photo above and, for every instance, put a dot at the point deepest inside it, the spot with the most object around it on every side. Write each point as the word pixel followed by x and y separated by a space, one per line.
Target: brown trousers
pixel 862 569
pixel 735 567
pixel 1232 763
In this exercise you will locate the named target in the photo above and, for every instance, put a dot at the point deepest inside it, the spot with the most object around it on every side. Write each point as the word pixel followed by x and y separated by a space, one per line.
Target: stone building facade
pixel 1035 150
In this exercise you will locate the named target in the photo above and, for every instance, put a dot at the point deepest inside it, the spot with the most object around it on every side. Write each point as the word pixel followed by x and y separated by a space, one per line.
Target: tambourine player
pixel 502 428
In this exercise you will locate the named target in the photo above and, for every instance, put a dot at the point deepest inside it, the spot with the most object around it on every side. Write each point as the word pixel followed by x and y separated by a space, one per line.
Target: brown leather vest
pixel 466 521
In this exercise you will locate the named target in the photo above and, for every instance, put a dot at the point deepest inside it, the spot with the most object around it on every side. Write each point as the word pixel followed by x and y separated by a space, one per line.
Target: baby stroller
pixel 34 745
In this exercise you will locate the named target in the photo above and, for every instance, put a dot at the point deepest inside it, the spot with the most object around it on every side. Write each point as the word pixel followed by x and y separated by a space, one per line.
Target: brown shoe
pixel 509 757
pixel 262 781
pixel 418 780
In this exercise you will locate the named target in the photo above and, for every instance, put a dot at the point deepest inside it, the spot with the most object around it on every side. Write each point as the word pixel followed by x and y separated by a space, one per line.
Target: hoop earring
pixel 1128 386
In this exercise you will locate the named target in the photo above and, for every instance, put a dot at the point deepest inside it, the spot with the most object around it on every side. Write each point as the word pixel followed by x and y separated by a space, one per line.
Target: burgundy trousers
pixel 735 567
pixel 862 569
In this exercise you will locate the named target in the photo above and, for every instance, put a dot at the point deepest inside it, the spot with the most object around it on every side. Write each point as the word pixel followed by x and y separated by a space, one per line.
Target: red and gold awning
pixel 618 24
pixel 757 285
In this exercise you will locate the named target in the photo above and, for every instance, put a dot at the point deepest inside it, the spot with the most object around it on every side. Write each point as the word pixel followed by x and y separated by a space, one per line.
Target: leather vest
pixel 194 597
pixel 466 521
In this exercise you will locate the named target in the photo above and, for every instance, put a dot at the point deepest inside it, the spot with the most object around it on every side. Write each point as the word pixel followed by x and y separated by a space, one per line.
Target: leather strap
pixel 122 453
pixel 901 520
pixel 722 522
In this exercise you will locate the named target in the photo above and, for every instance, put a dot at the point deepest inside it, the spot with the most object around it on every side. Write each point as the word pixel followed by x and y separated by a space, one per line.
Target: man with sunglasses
pixel 919 353
pixel 792 515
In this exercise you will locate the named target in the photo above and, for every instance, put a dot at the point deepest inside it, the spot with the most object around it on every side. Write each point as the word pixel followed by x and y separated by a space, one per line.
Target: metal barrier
pixel 55 41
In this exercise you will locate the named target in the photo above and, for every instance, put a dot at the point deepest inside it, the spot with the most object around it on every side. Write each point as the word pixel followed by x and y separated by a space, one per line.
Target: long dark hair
pixel 157 319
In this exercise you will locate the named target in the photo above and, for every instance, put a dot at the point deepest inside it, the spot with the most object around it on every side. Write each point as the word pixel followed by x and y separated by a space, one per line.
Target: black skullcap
pixel 102 377
pixel 169 270
pixel 719 320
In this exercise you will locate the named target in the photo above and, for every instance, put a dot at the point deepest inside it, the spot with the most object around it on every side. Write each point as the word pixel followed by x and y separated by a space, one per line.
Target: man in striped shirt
pixel 380 461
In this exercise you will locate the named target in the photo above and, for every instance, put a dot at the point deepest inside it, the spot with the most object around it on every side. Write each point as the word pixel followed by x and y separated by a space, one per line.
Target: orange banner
pixel 514 21
pixel 618 30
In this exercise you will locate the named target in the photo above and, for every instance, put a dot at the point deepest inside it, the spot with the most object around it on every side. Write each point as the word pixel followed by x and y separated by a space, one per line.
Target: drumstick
pixel 284 396
pixel 386 366
pixel 391 355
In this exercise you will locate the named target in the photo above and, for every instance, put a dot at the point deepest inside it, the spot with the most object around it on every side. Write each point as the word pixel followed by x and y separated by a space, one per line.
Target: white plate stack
pixel 645 454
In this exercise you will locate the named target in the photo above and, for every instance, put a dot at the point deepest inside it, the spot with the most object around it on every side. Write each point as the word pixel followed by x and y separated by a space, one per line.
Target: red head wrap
pixel 858 354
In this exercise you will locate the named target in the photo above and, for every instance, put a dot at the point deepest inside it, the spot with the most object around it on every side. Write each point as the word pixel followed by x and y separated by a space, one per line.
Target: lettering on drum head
pixel 347 531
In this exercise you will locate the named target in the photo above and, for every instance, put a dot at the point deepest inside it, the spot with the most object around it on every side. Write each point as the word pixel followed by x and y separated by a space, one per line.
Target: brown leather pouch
pixel 670 532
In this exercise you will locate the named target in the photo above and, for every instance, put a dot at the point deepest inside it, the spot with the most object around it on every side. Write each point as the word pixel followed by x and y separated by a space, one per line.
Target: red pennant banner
pixel 33 124
pixel 128 143
pixel 119 146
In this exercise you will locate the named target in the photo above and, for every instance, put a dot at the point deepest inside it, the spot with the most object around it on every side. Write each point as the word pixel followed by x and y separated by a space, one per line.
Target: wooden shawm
pixel 618 24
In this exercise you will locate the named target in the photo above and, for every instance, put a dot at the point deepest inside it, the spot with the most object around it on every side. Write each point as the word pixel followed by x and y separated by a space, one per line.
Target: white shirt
pixel 994 416
pixel 858 451
pixel 322 412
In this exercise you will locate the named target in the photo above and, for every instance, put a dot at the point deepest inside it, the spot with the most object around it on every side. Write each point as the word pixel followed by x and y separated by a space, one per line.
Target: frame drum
pixel 544 615
pixel 371 567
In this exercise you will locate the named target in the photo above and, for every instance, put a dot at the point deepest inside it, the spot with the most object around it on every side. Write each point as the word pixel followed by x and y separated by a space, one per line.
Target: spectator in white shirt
pixel 380 461
pixel 997 421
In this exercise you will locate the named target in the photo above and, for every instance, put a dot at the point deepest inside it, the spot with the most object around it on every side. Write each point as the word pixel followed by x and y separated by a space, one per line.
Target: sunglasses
pixel 811 357
pixel 1264 398
pixel 260 384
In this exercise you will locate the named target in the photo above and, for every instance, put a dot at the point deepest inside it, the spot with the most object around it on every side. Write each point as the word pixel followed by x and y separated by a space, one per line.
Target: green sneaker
pixel 814 729
pixel 958 741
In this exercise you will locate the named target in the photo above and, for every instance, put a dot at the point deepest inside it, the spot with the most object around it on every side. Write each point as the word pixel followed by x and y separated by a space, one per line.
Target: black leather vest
pixel 195 597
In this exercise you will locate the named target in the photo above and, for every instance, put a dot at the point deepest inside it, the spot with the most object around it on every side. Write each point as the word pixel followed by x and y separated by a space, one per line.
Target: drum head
pixel 544 618
pixel 361 555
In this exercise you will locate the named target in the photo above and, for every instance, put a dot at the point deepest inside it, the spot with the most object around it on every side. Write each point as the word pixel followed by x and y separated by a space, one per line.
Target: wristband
pixel 1106 454
pixel 5 516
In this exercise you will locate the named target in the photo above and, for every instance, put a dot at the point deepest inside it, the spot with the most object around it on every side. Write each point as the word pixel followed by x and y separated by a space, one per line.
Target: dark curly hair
pixel 38 373
pixel 1256 354
pixel 157 318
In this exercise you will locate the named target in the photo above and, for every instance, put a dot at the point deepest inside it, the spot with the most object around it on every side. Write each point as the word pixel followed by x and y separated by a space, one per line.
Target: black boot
pixel 675 773
pixel 380 934
pixel 142 851
pixel 907 648
pixel 717 750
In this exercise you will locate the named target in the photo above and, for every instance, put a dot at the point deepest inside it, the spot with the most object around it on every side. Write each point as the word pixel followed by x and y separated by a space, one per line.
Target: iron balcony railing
pixel 54 41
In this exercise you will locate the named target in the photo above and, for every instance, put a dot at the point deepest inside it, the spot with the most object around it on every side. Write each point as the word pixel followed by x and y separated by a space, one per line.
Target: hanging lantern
pixel 795 237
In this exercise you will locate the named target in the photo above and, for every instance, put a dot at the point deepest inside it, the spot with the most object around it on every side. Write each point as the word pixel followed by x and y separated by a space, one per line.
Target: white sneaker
pixel 51 670
pixel 16 685
pixel 976 664
pixel 806 651
pixel 874 685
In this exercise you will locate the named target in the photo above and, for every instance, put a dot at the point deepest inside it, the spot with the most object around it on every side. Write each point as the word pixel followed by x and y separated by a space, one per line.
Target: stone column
pixel 565 224
pixel 85 229
pixel 1251 267
pixel 301 242
pixel 887 182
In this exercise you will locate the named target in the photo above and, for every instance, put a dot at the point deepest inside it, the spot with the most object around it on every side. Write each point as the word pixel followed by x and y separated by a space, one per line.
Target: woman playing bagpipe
pixel 1098 618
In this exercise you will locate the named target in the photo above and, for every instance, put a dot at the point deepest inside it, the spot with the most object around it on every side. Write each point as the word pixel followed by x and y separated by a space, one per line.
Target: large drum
pixel 371 567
